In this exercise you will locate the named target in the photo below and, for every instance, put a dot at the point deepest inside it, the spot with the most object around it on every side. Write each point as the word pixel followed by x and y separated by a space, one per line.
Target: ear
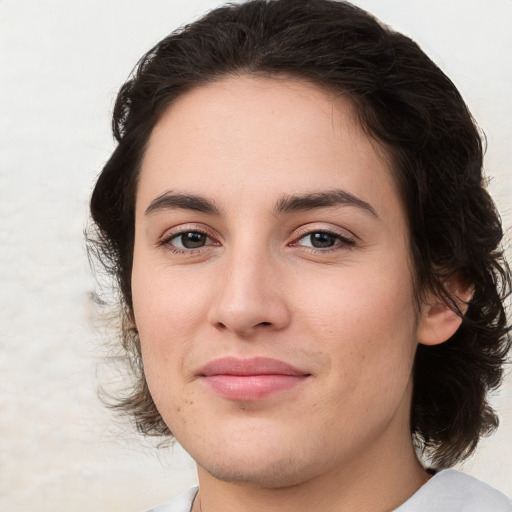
pixel 438 321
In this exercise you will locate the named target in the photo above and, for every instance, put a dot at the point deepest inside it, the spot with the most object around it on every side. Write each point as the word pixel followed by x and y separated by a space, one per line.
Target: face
pixel 272 284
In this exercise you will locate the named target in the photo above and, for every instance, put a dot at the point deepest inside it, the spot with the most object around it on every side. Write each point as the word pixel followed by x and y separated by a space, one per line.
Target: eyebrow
pixel 285 204
pixel 329 198
pixel 171 201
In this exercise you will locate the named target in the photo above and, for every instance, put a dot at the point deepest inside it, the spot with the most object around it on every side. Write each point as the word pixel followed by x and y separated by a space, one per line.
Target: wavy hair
pixel 405 102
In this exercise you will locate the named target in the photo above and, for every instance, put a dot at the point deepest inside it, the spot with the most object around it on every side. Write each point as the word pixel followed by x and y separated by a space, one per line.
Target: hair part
pixel 407 104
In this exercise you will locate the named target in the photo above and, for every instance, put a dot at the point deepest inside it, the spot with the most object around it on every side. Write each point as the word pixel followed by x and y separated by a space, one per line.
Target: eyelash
pixel 344 242
pixel 166 242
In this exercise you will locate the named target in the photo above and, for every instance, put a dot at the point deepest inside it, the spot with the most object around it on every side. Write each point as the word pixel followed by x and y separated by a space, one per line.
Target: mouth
pixel 250 379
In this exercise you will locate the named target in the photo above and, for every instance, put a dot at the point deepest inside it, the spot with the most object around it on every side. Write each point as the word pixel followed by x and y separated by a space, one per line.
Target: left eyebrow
pixel 338 197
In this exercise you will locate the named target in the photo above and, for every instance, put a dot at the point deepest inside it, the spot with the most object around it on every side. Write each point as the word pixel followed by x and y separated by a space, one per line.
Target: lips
pixel 250 379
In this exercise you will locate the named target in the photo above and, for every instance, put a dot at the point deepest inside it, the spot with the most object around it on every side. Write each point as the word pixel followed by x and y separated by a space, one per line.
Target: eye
pixel 189 240
pixel 323 240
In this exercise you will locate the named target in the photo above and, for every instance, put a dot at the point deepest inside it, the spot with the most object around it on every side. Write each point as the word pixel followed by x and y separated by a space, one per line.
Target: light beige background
pixel 61 63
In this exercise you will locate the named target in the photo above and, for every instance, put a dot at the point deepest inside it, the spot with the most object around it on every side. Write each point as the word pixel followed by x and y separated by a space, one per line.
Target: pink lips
pixel 250 379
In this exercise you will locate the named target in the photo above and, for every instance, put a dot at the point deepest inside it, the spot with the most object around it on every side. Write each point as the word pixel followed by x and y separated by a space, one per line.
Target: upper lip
pixel 249 366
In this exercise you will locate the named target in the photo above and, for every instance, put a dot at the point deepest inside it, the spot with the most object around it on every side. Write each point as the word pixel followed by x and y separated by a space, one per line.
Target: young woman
pixel 309 263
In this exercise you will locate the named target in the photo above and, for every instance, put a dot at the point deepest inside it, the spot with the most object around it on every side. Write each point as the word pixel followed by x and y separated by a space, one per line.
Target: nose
pixel 251 296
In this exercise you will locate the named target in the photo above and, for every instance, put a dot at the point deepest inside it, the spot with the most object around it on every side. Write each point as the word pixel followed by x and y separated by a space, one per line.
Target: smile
pixel 250 379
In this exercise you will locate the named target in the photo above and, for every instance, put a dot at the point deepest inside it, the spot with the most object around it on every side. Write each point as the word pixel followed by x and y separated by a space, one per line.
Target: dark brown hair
pixel 405 102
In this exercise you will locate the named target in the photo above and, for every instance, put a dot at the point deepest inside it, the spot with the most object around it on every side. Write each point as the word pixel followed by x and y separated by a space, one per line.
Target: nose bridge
pixel 249 275
pixel 249 294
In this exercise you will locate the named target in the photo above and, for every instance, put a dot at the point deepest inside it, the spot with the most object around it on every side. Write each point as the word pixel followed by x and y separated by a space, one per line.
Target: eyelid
pixel 322 228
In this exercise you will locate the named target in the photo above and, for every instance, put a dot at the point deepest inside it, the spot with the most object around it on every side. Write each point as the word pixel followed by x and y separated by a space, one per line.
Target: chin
pixel 278 473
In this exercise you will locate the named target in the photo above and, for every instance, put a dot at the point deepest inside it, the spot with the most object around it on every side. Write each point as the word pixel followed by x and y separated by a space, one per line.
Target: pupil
pixel 193 240
pixel 322 240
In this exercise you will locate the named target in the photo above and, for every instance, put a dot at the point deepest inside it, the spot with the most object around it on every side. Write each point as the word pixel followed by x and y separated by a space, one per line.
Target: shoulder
pixel 181 503
pixel 453 491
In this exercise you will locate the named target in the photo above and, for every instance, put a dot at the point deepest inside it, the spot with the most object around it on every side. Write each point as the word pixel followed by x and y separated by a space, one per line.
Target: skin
pixel 343 314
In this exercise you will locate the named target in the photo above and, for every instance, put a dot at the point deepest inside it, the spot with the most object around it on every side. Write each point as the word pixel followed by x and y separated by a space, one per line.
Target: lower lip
pixel 251 387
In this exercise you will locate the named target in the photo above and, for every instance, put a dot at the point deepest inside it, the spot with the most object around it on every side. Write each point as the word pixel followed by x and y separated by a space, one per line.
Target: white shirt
pixel 447 491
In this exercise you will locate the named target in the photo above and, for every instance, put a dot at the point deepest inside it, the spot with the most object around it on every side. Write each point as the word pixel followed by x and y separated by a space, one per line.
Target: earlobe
pixel 439 321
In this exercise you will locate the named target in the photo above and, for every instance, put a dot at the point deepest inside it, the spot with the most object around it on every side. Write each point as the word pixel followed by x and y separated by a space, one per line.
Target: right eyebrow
pixel 171 201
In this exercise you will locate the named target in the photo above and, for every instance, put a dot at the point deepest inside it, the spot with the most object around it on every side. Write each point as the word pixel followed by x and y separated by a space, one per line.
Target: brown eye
pixel 190 240
pixel 319 240
pixel 323 240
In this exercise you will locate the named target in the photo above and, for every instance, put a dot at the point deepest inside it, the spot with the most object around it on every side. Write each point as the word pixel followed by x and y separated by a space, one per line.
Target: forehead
pixel 243 135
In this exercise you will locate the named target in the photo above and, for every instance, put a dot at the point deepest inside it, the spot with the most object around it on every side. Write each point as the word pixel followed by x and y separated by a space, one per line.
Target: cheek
pixel 154 311
pixel 170 310
pixel 367 323
pixel 164 319
pixel 358 302
pixel 167 303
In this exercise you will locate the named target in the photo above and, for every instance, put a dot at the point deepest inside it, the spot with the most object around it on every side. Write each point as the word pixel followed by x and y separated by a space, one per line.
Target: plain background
pixel 61 64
